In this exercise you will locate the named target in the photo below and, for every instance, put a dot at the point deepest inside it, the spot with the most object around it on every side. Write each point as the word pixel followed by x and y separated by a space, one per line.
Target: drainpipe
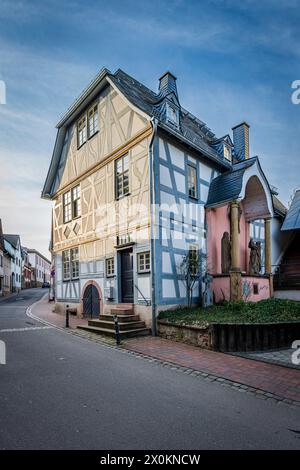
pixel 152 221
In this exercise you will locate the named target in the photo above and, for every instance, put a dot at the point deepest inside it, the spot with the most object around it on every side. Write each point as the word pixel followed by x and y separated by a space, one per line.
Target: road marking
pixel 9 330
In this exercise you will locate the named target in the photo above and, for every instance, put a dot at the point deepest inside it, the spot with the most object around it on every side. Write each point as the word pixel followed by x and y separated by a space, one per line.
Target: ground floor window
pixel 110 267
pixel 70 264
pixel 143 262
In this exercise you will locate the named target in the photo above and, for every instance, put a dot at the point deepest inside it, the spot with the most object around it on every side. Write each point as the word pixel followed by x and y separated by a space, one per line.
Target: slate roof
pixel 279 208
pixel 12 239
pixel 192 131
pixel 292 219
pixel 227 186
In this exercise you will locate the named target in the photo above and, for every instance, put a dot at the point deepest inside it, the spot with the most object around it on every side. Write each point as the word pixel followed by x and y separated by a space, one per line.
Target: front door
pixel 127 276
pixel 91 302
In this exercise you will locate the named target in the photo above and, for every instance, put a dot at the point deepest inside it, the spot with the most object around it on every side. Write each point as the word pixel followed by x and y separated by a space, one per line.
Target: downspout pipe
pixel 153 221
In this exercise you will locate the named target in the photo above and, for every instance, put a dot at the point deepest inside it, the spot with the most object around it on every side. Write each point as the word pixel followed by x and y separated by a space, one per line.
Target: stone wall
pixel 186 334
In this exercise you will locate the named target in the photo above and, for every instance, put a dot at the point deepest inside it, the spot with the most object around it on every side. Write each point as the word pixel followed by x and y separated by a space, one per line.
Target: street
pixel 61 391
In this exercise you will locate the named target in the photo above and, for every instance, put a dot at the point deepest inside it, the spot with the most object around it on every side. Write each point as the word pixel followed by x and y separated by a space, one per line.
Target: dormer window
pixel 172 114
pixel 227 153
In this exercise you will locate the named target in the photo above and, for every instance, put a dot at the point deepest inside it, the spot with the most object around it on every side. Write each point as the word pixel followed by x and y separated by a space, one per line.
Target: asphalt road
pixel 60 391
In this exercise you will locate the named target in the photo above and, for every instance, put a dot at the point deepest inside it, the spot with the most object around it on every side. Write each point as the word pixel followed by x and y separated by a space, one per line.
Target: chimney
pixel 241 141
pixel 167 84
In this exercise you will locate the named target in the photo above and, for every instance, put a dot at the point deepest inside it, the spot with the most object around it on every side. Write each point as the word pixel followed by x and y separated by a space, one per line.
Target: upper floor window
pixel 81 131
pixel 227 153
pixel 72 204
pixel 76 202
pixel 172 114
pixel 67 203
pixel 122 176
pixel 192 181
pixel 93 120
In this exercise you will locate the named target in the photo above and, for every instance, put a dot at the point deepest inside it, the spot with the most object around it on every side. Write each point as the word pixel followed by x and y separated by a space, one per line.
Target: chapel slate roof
pixel 228 185
pixel 292 219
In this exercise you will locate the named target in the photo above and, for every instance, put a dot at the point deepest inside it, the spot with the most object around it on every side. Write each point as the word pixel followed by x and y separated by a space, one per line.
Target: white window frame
pixel 143 265
pixel 92 120
pixel 122 188
pixel 192 168
pixel 172 114
pixel 110 267
pixel 81 130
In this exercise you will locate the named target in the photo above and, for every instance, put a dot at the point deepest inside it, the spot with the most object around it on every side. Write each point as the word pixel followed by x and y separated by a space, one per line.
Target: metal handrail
pixel 147 301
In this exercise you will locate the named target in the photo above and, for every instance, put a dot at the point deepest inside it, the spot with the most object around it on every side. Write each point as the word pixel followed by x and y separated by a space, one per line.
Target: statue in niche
pixel 255 263
pixel 207 298
pixel 225 253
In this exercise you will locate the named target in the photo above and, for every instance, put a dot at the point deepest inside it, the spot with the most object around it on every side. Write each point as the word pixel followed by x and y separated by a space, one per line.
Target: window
pixel 93 120
pixel 66 264
pixel 70 263
pixel 76 203
pixel 227 152
pixel 122 176
pixel 172 114
pixel 72 204
pixel 81 131
pixel 192 181
pixel 110 267
pixel 143 262
pixel 194 260
pixel 75 263
pixel 67 207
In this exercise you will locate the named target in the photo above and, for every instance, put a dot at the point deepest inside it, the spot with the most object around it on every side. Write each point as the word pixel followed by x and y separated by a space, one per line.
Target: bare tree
pixel 191 270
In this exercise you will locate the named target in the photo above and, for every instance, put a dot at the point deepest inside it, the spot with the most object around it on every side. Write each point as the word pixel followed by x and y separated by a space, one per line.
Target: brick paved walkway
pixel 43 310
pixel 280 381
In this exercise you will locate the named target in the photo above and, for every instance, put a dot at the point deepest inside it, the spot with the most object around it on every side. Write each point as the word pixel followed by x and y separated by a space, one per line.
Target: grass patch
pixel 265 311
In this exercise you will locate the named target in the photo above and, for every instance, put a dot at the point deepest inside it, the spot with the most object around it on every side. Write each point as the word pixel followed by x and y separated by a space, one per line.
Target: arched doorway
pixel 91 301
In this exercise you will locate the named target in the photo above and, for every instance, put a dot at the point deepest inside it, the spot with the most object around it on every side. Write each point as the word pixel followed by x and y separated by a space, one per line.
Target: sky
pixel 233 60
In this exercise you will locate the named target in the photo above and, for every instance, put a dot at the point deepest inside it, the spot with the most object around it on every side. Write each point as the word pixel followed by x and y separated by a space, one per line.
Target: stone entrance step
pixel 111 333
pixel 130 325
pixel 108 324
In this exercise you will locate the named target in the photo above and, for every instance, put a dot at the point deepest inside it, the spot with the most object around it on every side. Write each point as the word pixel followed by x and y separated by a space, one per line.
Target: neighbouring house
pixel 40 267
pixel 12 245
pixel 287 275
pixel 1 260
pixel 137 182
pixel 26 270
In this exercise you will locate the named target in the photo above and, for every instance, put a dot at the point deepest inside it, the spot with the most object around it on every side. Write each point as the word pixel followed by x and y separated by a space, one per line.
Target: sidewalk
pixel 283 382
pixel 43 310
pixel 278 380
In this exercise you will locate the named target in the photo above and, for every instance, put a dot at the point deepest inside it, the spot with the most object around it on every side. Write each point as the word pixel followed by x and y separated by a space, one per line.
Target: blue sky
pixel 233 60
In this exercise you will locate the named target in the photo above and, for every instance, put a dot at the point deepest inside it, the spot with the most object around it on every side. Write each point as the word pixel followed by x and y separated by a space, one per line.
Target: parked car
pixel 45 284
